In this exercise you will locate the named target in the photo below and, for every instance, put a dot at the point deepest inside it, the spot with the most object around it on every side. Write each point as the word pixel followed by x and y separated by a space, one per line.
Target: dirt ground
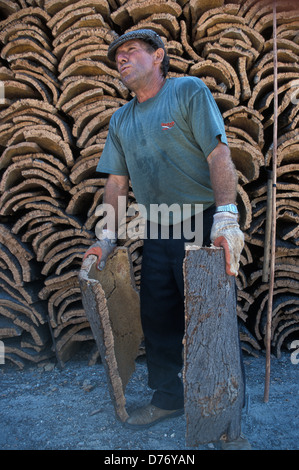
pixel 45 408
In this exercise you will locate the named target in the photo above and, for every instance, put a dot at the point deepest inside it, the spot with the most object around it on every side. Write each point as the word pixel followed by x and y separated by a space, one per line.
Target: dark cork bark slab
pixel 213 378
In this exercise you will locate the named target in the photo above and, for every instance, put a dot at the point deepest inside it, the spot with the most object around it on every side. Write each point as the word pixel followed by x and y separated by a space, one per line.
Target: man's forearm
pixel 225 230
pixel 223 175
pixel 115 197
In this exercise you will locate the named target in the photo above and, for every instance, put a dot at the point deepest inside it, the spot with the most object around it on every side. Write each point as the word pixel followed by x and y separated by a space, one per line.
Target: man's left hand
pixel 226 233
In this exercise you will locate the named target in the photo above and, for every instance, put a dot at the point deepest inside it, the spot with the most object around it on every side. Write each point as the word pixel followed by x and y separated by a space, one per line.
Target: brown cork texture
pixel 213 380
pixel 111 304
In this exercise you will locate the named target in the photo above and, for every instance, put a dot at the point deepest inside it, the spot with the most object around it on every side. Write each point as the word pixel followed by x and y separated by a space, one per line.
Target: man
pixel 169 140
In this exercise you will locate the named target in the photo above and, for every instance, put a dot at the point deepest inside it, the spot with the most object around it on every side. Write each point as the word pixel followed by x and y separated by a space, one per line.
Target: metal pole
pixel 273 228
pixel 268 229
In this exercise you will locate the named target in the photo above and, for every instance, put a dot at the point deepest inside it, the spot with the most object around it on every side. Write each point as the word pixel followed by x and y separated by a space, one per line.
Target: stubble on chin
pixel 128 80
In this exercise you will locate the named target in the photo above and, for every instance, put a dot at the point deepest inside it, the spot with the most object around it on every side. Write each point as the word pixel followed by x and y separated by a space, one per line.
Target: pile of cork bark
pixel 58 92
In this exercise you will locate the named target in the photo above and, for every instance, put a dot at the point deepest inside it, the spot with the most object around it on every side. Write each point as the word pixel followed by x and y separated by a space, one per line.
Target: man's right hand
pixel 101 249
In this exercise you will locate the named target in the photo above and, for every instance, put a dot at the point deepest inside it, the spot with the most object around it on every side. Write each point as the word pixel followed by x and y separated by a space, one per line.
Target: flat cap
pixel 147 35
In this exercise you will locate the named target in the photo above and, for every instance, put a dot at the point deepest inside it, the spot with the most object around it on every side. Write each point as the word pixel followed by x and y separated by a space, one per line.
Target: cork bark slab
pixel 213 378
pixel 111 303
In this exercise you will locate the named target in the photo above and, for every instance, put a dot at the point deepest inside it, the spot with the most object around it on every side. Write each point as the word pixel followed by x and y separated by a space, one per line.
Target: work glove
pixel 226 233
pixel 102 248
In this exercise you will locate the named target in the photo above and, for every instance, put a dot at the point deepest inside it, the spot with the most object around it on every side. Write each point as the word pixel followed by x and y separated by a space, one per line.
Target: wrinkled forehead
pixel 126 45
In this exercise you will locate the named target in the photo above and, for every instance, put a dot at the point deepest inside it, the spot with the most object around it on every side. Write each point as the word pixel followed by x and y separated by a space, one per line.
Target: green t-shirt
pixel 162 145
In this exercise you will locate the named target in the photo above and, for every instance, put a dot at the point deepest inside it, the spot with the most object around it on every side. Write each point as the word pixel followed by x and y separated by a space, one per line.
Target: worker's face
pixel 135 63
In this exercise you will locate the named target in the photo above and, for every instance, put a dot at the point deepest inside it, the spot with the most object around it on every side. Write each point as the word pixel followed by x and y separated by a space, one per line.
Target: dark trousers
pixel 162 313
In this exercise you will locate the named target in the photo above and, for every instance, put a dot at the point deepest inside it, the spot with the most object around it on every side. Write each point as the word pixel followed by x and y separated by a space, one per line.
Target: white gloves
pixel 102 248
pixel 227 234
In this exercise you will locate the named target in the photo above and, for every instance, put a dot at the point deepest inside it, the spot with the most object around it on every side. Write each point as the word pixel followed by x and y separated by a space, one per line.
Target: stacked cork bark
pixel 60 91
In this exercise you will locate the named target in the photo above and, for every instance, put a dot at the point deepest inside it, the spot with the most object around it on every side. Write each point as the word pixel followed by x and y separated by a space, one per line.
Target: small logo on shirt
pixel 167 125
